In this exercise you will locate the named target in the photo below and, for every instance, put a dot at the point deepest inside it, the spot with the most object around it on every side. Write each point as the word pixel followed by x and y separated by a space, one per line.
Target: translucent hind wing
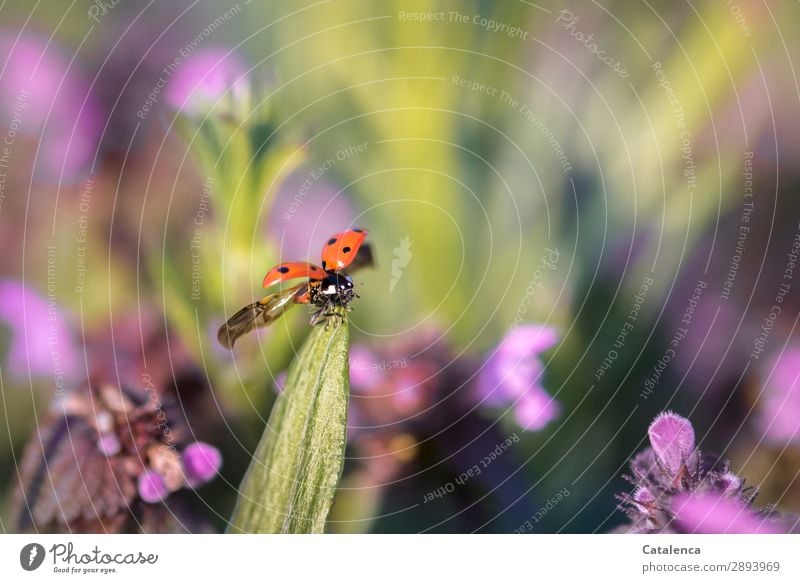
pixel 259 314
pixel 364 258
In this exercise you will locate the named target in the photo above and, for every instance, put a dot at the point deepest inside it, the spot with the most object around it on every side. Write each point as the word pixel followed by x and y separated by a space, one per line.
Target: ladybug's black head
pixel 336 283
pixel 337 287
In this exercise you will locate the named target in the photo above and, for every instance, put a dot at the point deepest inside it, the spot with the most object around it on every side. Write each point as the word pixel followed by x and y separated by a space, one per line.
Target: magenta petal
pixel 672 438
pixel 713 514
pixel 151 487
pixel 41 344
pixel 529 340
pixel 780 400
pixel 644 499
pixel 731 483
pixel 108 444
pixel 364 373
pixel 535 410
pixel 201 462
pixel 54 102
pixel 514 366
pixel 204 78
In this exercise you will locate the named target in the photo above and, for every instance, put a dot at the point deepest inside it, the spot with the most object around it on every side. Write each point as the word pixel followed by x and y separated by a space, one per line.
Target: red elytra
pixel 293 270
pixel 340 250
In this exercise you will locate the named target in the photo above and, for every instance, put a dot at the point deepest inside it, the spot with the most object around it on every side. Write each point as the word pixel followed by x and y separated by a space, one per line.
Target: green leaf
pixel 291 482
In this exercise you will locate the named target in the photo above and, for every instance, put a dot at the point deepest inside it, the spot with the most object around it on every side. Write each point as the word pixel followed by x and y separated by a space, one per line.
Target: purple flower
pixel 672 439
pixel 677 489
pixel 779 401
pixel 151 487
pixel 643 499
pixel 207 77
pixel 108 444
pixel 201 462
pixel 536 409
pixel 711 513
pixel 364 373
pixel 41 342
pixel 106 450
pixel 511 376
pixel 47 98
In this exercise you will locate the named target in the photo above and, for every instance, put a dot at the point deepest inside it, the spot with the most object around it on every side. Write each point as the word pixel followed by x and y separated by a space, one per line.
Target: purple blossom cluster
pixel 103 452
pixel 512 377
pixel 678 489
pixel 50 100
pixel 40 341
pixel 779 400
pixel 402 384
pixel 115 456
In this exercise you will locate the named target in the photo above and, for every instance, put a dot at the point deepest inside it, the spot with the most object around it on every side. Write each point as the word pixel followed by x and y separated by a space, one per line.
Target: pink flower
pixel 47 98
pixel 108 444
pixel 779 402
pixel 151 487
pixel 672 439
pixel 364 373
pixel 205 78
pixel 512 375
pixel 41 343
pixel 201 462
pixel 678 489
pixel 711 513
pixel 536 409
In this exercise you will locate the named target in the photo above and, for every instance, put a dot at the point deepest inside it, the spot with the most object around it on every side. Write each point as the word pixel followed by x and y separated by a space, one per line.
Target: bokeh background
pixel 583 214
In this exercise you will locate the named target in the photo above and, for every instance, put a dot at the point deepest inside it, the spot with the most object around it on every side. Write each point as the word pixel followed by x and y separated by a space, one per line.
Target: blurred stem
pixel 291 482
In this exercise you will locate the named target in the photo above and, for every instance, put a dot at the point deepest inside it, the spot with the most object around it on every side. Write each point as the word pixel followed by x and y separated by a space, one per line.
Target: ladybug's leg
pixel 326 311
pixel 318 316
pixel 322 313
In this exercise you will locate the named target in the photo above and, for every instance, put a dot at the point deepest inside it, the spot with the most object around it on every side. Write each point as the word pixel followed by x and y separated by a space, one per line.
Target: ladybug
pixel 328 287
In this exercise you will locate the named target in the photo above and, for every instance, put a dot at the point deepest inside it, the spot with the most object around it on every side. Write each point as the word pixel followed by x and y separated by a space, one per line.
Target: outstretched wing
pixel 259 314
pixel 364 258
pixel 340 250
pixel 293 270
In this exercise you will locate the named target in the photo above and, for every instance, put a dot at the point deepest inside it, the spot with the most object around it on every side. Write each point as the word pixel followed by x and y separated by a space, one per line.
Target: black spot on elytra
pixel 283 269
pixel 358 230
pixel 331 241
pixel 346 250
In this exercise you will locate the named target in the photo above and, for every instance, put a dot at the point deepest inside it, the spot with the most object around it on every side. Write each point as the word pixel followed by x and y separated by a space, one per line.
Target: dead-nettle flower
pixel 101 455
pixel 512 377
pixel 41 343
pixel 210 78
pixel 50 100
pixel 399 392
pixel 414 400
pixel 779 400
pixel 678 489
